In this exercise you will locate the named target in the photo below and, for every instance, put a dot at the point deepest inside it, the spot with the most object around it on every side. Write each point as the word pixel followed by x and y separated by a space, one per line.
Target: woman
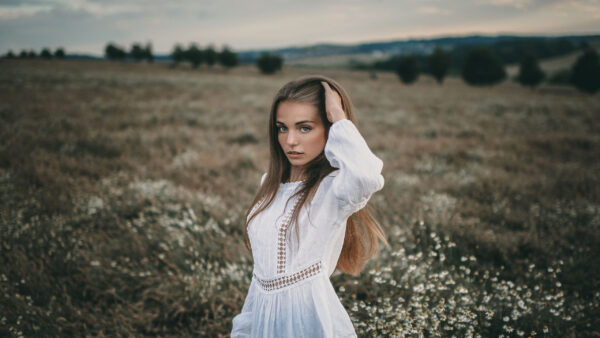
pixel 309 215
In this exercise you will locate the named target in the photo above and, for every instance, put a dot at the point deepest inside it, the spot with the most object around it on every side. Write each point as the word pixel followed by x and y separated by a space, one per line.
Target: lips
pixel 294 152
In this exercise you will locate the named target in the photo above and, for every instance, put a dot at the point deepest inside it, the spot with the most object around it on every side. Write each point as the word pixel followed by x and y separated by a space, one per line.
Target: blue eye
pixel 279 129
pixel 306 128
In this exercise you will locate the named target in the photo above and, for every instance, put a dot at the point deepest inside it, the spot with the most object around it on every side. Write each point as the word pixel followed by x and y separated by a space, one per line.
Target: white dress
pixel 290 294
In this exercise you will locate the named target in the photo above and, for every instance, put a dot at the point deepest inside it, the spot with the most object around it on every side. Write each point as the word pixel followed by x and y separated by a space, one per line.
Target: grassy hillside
pixel 123 188
pixel 552 65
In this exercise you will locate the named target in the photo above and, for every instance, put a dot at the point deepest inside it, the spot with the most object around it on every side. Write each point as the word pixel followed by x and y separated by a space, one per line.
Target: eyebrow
pixel 297 123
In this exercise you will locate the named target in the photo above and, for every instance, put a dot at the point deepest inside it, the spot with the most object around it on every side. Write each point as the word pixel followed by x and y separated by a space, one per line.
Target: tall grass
pixel 123 189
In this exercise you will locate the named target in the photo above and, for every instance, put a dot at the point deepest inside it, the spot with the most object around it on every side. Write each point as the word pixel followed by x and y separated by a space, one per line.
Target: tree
pixel 59 53
pixel 32 54
pixel 46 54
pixel 194 55
pixel 136 52
pixel 23 54
pixel 482 67
pixel 10 54
pixel 210 55
pixel 148 53
pixel 407 69
pixel 227 58
pixel 585 73
pixel 178 54
pixel 269 63
pixel 530 73
pixel 439 63
pixel 114 52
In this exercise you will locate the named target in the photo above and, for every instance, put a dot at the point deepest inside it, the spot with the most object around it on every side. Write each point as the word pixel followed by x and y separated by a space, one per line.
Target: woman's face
pixel 300 130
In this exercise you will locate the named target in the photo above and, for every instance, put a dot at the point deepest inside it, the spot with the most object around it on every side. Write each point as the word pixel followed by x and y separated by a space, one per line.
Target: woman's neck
pixel 296 175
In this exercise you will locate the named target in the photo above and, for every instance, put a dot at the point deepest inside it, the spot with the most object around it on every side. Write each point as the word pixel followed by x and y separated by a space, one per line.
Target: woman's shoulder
pixel 326 182
pixel 327 179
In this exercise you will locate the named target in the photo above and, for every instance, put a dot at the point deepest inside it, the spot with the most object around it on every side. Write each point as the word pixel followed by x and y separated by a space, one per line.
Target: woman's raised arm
pixel 359 174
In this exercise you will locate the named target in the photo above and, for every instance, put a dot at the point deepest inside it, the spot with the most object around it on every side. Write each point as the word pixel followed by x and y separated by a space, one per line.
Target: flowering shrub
pixel 424 286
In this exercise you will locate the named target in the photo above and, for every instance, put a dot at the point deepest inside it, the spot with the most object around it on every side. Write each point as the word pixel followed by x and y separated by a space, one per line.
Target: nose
pixel 292 138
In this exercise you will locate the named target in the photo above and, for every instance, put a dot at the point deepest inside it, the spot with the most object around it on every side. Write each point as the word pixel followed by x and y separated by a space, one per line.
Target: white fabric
pixel 309 307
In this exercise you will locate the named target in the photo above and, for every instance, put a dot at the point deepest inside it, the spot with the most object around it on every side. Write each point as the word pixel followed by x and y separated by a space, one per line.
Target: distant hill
pixel 381 54
pixel 338 55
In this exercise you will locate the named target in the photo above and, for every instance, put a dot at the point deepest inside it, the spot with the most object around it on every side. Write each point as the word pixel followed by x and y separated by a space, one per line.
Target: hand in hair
pixel 333 104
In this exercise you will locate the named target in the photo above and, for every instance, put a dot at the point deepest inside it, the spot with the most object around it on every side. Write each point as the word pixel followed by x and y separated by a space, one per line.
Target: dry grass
pixel 123 188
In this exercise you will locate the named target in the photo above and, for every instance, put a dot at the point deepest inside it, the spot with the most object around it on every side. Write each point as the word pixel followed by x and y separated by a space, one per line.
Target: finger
pixel 337 96
pixel 326 86
pixel 331 91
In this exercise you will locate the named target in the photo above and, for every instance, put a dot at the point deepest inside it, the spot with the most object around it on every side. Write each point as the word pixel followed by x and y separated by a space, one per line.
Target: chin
pixel 296 162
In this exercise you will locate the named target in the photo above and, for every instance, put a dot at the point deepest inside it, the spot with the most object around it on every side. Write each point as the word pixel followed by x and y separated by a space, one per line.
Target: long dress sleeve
pixel 359 174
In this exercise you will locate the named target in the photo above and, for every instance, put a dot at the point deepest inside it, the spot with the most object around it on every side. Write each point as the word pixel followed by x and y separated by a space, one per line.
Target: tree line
pixel 137 52
pixel 45 53
pixel 482 67
pixel 197 56
pixel 194 55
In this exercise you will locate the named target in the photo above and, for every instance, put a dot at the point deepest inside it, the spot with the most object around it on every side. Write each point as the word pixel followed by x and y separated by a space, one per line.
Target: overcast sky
pixel 86 26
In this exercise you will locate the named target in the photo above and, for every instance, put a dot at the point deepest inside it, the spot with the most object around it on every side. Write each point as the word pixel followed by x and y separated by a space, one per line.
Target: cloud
pixel 19 12
pixel 17 9
pixel 512 3
pixel 433 10
pixel 87 25
pixel 102 9
pixel 589 8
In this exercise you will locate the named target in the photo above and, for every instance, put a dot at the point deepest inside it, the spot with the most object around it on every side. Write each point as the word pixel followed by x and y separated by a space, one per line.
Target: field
pixel 123 189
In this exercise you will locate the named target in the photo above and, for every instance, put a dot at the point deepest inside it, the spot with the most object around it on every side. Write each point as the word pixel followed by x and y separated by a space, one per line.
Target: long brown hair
pixel 362 229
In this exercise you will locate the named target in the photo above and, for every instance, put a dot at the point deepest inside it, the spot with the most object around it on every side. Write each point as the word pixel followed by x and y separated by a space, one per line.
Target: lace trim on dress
pixel 284 281
pixel 281 246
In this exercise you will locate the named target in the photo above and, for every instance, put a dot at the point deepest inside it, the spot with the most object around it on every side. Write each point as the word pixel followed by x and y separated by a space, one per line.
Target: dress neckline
pixel 288 185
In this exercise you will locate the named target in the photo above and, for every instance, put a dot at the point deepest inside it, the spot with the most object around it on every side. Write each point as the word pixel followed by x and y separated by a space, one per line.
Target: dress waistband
pixel 288 280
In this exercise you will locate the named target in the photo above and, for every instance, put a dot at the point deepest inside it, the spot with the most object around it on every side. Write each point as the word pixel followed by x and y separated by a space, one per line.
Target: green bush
pixel 46 54
pixel 137 53
pixel 114 52
pixel 586 72
pixel 269 63
pixel 194 55
pixel 59 53
pixel 227 58
pixel 482 67
pixel 530 73
pixel 210 55
pixel 178 54
pixel 407 69
pixel 439 63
